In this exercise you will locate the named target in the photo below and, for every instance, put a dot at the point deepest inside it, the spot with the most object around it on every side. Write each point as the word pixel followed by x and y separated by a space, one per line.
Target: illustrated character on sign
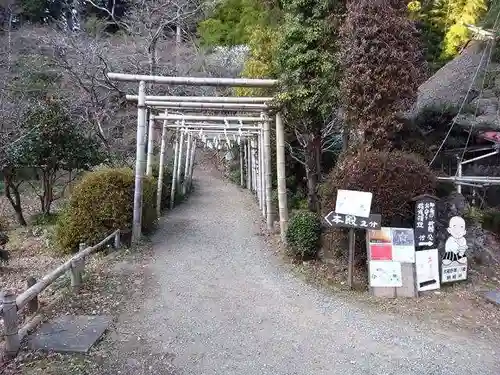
pixel 456 244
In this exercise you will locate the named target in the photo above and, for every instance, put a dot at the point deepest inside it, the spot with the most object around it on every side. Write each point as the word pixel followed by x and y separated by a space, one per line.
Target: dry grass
pixel 459 307
pixel 31 251
pixel 110 285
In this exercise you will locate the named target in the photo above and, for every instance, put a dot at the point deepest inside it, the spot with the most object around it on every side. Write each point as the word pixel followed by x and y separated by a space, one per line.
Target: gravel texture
pixel 224 304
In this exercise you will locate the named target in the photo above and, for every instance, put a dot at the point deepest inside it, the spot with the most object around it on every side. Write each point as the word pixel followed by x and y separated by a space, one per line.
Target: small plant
pixel 304 233
pixel 44 219
pixel 491 220
pixel 167 184
pixel 4 224
pixel 234 176
pixel 475 215
pixel 298 200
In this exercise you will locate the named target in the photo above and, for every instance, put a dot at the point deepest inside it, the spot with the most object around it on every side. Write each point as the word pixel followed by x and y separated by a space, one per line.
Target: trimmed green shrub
pixel 101 203
pixel 304 233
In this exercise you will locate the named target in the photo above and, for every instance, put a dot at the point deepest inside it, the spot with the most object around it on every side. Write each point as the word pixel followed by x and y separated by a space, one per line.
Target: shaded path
pixel 225 306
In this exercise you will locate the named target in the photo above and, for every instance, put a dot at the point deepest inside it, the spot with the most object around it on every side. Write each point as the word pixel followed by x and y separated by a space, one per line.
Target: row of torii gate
pixel 251 131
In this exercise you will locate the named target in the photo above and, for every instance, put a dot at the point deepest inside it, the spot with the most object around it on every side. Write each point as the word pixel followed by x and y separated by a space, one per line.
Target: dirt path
pixel 224 305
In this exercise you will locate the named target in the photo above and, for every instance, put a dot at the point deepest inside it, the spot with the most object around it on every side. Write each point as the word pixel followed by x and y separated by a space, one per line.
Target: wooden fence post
pixel 117 239
pixel 76 271
pixel 12 341
pixel 33 304
pixel 75 275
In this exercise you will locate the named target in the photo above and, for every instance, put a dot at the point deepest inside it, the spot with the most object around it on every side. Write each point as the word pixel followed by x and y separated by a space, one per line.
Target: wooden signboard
pixel 337 220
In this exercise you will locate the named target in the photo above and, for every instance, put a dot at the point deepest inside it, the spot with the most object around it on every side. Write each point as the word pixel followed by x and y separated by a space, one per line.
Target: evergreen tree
pixel 460 13
pixel 306 62
pixel 233 22
pixel 443 25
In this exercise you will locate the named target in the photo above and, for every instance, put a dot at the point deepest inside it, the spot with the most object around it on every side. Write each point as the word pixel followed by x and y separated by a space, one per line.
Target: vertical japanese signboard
pixel 427 264
pixel 425 221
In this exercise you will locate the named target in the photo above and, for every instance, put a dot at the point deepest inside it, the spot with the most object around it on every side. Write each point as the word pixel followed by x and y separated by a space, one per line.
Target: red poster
pixel 382 251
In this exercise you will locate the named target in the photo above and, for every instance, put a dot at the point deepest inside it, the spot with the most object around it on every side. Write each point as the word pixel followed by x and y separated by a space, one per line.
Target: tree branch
pixel 294 155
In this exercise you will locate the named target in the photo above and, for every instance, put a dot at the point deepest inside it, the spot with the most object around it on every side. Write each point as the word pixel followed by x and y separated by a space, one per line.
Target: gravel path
pixel 224 305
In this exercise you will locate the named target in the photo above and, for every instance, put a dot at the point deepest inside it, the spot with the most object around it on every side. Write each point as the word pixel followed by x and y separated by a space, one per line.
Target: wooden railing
pixel 11 304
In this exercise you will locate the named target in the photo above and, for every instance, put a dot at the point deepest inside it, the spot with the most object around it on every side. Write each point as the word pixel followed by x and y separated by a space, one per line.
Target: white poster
pixel 385 274
pixel 427 263
pixel 403 245
pixel 352 202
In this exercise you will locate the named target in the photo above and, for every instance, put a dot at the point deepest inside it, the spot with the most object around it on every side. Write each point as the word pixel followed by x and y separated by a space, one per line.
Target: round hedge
pixel 102 202
pixel 303 234
pixel 394 178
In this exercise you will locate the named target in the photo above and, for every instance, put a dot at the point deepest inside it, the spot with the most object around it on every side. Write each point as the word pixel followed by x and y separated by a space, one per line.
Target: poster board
pixel 353 202
pixel 391 251
pixel 394 244
pixel 427 264
pixel 385 274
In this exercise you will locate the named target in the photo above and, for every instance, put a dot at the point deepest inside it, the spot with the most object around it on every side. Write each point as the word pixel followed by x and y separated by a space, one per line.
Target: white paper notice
pixel 352 202
pixel 427 263
pixel 385 274
pixel 403 245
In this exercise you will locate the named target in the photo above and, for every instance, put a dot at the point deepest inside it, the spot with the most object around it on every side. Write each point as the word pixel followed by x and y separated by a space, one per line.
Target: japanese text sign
pixel 337 220
pixel 425 221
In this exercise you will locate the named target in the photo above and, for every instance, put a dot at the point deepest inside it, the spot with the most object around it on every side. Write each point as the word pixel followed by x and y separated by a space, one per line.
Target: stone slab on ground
pixel 493 296
pixel 69 333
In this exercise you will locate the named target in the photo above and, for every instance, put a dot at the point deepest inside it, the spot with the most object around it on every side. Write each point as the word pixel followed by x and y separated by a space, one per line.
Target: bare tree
pixel 84 61
pixel 12 108
pixel 150 19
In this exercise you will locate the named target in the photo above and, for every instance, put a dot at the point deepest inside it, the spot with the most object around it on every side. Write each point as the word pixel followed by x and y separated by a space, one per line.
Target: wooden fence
pixel 11 304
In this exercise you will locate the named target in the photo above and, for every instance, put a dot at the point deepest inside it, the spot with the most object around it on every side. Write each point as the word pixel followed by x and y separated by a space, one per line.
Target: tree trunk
pixel 318 162
pixel 178 34
pixel 47 196
pixel 345 139
pixel 313 149
pixel 153 58
pixel 13 195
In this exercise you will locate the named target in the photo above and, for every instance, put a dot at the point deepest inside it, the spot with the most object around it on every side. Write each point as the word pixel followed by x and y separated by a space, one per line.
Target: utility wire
pixel 492 6
pixel 491 45
pixel 461 107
